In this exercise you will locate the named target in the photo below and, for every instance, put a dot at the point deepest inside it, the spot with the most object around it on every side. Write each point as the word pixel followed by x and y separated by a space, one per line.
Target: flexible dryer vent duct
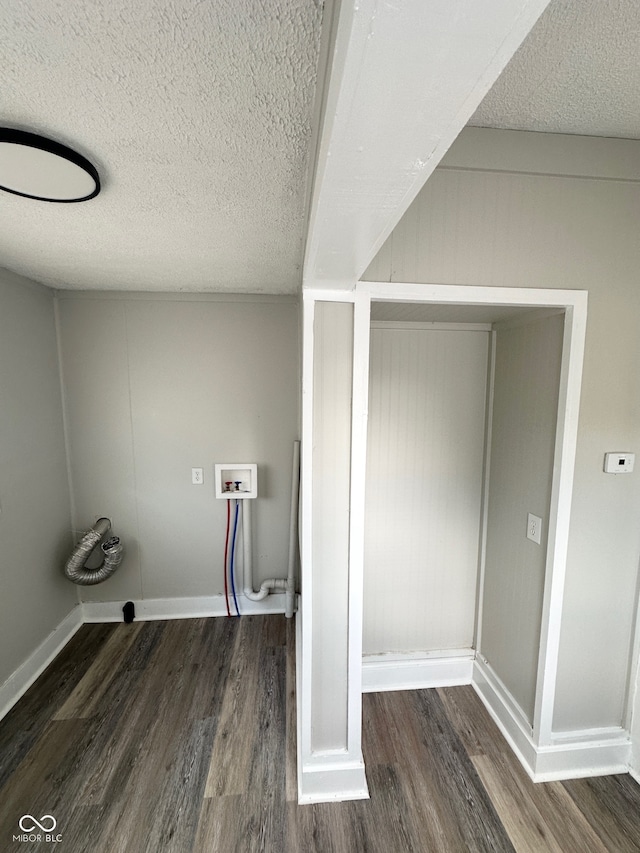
pixel 112 549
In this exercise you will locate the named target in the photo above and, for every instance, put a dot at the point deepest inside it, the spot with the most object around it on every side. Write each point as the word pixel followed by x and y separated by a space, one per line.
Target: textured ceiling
pixel 198 117
pixel 578 71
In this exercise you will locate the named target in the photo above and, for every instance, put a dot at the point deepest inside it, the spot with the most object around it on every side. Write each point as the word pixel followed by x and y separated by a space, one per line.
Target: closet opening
pixel 470 428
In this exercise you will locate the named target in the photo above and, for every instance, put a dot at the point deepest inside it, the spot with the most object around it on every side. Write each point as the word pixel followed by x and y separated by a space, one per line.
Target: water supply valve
pixel 236 480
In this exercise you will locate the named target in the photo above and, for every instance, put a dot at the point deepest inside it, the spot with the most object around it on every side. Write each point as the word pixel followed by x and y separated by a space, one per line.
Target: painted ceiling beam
pixel 403 78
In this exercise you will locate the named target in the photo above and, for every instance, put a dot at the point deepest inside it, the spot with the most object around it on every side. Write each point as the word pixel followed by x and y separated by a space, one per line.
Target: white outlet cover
pixel 534 528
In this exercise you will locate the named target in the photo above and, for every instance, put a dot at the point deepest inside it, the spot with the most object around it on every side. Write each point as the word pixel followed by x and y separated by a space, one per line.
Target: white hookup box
pixel 236 480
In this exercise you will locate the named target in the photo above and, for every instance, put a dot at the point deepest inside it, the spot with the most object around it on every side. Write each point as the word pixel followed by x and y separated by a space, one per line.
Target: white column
pixel 329 660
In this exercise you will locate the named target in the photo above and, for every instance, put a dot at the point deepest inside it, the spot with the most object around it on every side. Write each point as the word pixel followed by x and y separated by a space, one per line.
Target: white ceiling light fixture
pixel 35 167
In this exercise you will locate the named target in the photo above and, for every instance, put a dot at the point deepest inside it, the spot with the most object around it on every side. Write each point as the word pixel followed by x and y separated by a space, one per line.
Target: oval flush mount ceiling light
pixel 36 167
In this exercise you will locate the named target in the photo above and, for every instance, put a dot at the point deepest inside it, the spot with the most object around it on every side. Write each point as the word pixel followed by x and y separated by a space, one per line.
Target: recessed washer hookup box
pixel 236 480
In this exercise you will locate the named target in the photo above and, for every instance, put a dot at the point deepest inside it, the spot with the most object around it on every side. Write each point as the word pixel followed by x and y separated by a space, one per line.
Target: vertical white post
pixel 359 422
pixel 575 325
pixel 330 755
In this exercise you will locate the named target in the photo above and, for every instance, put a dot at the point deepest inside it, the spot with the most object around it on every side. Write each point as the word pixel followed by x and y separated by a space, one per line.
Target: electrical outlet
pixel 534 528
pixel 197 476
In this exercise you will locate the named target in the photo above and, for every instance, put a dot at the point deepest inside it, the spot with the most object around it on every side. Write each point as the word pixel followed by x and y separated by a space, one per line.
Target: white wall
pixel 34 491
pixel 156 385
pixel 425 454
pixel 525 407
pixel 474 223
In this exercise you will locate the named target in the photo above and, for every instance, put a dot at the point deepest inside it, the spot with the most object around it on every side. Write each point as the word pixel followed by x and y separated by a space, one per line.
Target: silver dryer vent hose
pixel 112 549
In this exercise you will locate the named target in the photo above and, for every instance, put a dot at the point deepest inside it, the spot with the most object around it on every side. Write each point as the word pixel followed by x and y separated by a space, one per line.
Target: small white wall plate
pixel 619 463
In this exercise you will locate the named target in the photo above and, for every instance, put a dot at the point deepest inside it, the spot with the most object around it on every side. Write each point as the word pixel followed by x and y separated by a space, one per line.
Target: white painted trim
pixel 407 672
pixel 331 776
pixel 489 684
pixel 633 679
pixel 635 775
pixel 418 325
pixel 149 609
pixel 578 735
pixel 466 294
pixel 566 442
pixel 327 294
pixel 593 752
pixel 592 757
pixel 486 483
pixel 21 680
pixel 368 171
pixel 331 780
pixel 359 423
pixel 306 530
pixel 575 304
pixel 299 664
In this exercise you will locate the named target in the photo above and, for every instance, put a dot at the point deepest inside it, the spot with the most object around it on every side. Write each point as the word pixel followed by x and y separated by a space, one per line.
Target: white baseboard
pixel 181 608
pixel 506 714
pixel 634 774
pixel 449 668
pixel 329 777
pixel 21 680
pixel 589 756
pixel 329 780
pixel 571 755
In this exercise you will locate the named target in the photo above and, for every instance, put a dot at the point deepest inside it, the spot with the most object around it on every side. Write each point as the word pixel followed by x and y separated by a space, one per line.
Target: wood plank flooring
pixel 179 737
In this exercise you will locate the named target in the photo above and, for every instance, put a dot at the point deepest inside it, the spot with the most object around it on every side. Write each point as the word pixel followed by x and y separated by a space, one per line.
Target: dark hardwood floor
pixel 180 736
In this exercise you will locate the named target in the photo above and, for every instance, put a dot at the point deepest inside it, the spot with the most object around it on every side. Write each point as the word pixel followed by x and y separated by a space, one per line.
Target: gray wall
pixel 531 226
pixel 155 385
pixel 34 492
pixel 525 408
pixel 333 363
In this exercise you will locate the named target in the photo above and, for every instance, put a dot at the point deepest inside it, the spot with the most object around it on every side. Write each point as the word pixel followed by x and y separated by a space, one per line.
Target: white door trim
pixel 574 302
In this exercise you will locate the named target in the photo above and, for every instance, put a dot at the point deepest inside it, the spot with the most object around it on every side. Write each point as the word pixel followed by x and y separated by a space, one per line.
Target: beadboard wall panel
pixel 424 485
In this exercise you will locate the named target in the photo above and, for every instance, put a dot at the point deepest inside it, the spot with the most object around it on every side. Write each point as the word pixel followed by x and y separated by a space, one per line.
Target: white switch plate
pixel 534 528
pixel 197 476
pixel 619 463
